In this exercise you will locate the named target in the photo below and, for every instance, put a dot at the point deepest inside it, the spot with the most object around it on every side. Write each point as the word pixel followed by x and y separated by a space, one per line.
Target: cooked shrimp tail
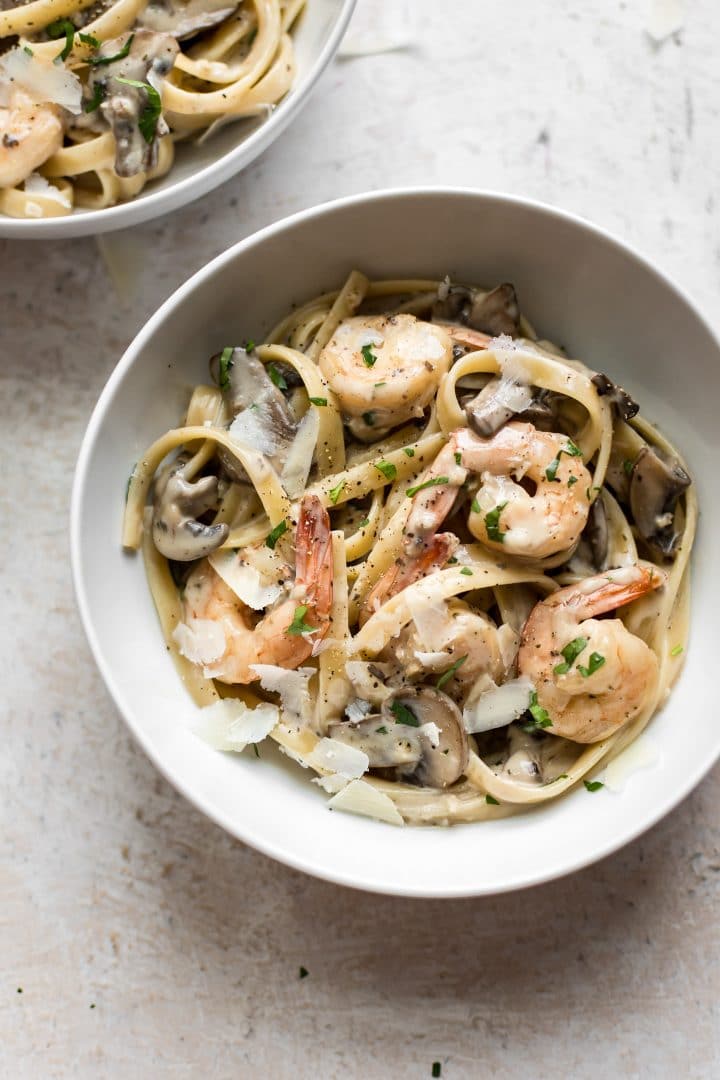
pixel 313 562
pixel 408 570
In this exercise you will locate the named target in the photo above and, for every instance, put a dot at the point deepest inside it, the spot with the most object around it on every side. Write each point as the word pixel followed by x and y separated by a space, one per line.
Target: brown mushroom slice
pixel 178 503
pixel 625 406
pixel 387 745
pixel 495 312
pixel 185 18
pixel 497 402
pixel 656 483
pixel 440 765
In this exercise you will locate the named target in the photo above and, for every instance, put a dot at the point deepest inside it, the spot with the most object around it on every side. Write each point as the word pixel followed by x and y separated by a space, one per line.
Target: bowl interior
pixel 200 167
pixel 579 288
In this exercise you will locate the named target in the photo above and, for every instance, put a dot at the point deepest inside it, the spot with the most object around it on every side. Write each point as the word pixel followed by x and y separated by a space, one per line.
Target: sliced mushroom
pixel 441 765
pixel 656 483
pixel 497 402
pixel 184 18
pixel 597 535
pixel 495 312
pixel 177 533
pixel 623 404
pixel 261 416
pixel 126 107
pixel 386 744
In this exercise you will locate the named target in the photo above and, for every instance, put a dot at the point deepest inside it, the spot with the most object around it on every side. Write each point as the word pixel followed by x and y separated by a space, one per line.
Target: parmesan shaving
pixel 201 641
pixel 300 455
pixel 254 428
pixel 498 707
pixel 430 616
pixel 41 82
pixel 244 580
pixel 292 686
pixel 362 798
pixel 336 757
pixel 230 724
pixel 38 185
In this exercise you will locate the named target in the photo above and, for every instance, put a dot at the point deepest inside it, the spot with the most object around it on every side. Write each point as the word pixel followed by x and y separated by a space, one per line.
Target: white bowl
pixel 199 169
pixel 578 286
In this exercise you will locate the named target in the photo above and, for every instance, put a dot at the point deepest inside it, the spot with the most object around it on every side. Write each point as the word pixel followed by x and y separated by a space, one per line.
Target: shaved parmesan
pixel 244 580
pixel 200 640
pixel 332 784
pixel 300 455
pixel 254 428
pixel 357 709
pixel 292 686
pixel 508 643
pixel 339 758
pixel 230 724
pixel 431 732
pixel 498 707
pixel 367 685
pixel 42 83
pixel 430 616
pixel 362 798
pixel 432 661
pixel 38 185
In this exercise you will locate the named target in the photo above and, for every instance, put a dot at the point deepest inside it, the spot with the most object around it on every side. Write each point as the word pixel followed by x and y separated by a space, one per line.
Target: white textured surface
pixel 115 893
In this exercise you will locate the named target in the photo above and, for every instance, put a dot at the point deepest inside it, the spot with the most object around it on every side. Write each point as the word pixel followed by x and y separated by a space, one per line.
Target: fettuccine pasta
pixel 438 562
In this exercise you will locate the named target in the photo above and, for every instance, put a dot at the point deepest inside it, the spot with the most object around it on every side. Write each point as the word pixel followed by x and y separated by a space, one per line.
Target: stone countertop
pixel 137 938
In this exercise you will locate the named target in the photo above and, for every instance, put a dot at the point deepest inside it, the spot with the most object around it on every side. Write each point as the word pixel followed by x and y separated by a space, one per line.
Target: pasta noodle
pixel 95 94
pixel 402 521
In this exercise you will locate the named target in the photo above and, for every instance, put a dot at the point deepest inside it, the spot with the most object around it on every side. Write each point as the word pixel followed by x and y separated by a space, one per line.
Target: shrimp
pixel 591 675
pixel 385 369
pixel 406 570
pixel 289 633
pixel 29 135
pixel 504 515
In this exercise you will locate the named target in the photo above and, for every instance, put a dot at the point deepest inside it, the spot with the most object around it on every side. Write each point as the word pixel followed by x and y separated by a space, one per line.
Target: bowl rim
pixel 157 203
pixel 275 851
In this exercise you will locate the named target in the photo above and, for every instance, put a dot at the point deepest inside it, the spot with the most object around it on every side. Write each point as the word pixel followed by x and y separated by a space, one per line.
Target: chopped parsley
pixel 277 377
pixel 369 418
pixel 62 28
pixel 596 661
pixel 98 61
pixel 444 678
pixel 628 466
pixel 436 1069
pixel 148 120
pixel 274 535
pixel 452 561
pixel 257 752
pixel 91 40
pixel 589 493
pixel 96 100
pixel 362 524
pixel 435 482
pixel 593 785
pixel 249 345
pixel 676 651
pixel 28 50
pixel 492 801
pixel 379 384
pixel 466 571
pixel 570 654
pixel 572 480
pixel 386 468
pixel 458 457
pixel 304 973
pixel 369 357
pixel 540 717
pixel 226 362
pixel 403 715
pixel 571 450
pixel 492 523
pixel 298 626
pixel 335 493
pixel 475 506
pixel 318 400
pixel 409 451
pixel 382 730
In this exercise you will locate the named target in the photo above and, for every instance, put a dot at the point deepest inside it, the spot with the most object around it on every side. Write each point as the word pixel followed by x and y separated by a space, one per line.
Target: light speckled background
pixel 145 941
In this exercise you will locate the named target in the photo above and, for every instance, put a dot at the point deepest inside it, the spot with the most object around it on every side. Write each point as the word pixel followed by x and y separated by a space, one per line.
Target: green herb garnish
pixel 58 29
pixel 298 626
pixel 571 450
pixel 593 785
pixel 444 678
pixel 409 451
pixel 452 560
pixel 403 715
pixel 596 661
pixel 91 40
pixel 368 356
pixel 458 457
pixel 379 384
pixel 382 730
pixel 277 377
pixel 628 466
pixel 492 523
pixel 475 506
pixel 570 654
pixel 363 523
pixel 435 482
pixel 274 535
pixel 492 801
pixel 466 571
pixel 540 716
pixel 257 752
pixel 148 120
pixel 97 61
pixel 676 651
pixel 318 401
pixel 96 100
pixel 386 468
pixel 28 50
pixel 226 362
pixel 334 493
pixel 572 480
